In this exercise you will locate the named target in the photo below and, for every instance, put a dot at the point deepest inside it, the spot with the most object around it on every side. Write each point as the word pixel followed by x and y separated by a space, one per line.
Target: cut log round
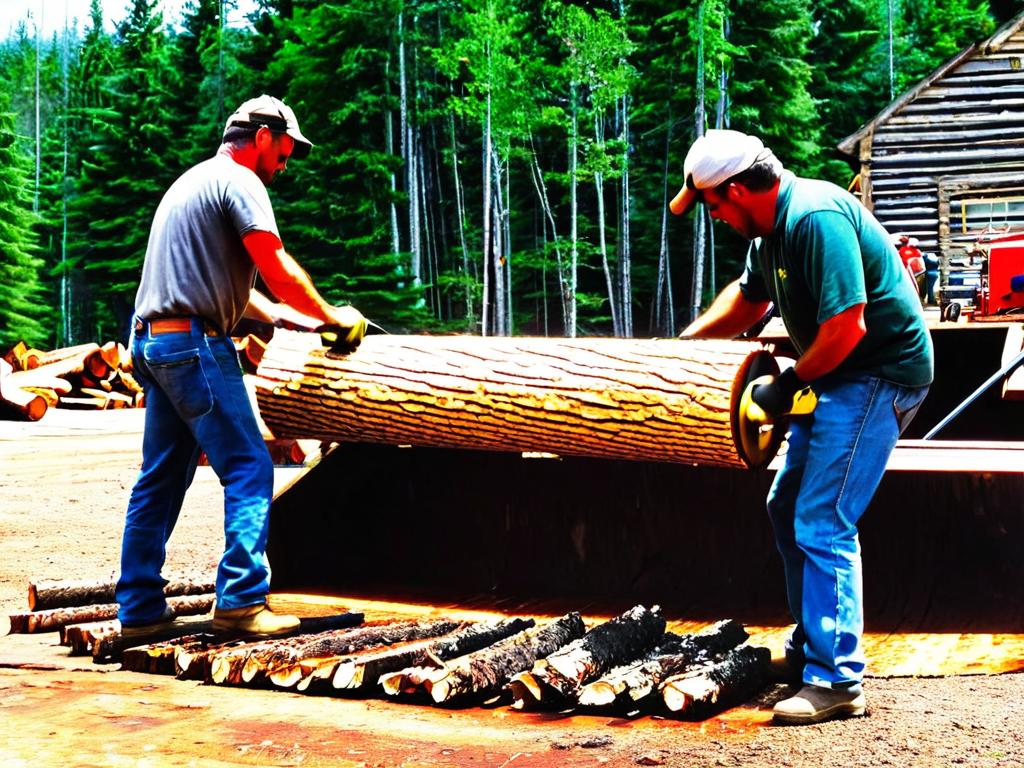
pixel 663 400
pixel 487 670
pixel 17 402
pixel 716 685
pixel 365 671
pixel 674 655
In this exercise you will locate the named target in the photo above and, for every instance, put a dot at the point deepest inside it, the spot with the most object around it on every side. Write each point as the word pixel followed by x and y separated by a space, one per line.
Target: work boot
pixel 165 623
pixel 814 704
pixel 257 620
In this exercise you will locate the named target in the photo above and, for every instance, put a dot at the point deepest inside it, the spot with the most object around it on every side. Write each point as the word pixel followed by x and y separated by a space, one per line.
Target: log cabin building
pixel 944 163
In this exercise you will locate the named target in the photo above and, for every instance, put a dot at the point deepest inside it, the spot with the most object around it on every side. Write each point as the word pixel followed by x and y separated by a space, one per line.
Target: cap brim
pixel 301 147
pixel 683 201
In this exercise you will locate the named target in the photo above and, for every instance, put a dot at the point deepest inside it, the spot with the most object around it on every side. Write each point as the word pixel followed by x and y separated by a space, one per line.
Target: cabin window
pixel 992 214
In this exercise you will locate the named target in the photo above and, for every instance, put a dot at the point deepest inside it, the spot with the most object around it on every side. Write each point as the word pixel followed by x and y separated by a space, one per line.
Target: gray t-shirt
pixel 195 261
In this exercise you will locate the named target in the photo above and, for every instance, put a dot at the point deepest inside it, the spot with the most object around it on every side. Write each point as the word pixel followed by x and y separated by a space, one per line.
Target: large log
pixel 713 687
pixel 674 655
pixel 487 670
pixel 159 658
pixel 66 594
pixel 365 671
pixel 613 642
pixel 663 400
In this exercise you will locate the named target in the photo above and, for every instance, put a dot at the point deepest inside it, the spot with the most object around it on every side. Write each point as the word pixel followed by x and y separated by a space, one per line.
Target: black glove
pixel 776 397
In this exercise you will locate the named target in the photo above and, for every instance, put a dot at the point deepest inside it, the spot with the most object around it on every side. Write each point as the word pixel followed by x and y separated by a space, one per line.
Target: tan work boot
pixel 814 704
pixel 255 620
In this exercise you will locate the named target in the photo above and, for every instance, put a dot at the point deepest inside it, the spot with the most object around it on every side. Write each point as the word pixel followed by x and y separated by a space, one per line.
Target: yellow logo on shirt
pixel 781 272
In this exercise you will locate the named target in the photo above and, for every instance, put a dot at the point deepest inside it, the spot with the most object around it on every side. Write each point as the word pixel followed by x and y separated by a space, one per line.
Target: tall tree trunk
pixel 64 337
pixel 409 157
pixel 460 212
pixel 486 181
pixel 389 147
pixel 570 330
pixel 542 193
pixel 699 222
pixel 664 314
pixel 602 240
pixel 625 251
pixel 498 250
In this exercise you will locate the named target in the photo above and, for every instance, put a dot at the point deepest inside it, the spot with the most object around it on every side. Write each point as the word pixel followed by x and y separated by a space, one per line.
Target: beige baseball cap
pixel 275 115
pixel 714 158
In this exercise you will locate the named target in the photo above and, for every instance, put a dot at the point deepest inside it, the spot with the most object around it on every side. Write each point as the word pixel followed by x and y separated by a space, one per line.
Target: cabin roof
pixel 991 45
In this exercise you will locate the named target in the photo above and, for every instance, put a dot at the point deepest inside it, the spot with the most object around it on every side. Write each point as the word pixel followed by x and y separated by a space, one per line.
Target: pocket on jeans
pixel 906 404
pixel 181 376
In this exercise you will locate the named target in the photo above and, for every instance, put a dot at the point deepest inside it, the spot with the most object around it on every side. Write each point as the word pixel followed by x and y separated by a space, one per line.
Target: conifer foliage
pixel 482 166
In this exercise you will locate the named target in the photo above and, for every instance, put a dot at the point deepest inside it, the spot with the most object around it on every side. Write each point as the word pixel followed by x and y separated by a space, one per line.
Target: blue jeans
pixel 835 461
pixel 195 400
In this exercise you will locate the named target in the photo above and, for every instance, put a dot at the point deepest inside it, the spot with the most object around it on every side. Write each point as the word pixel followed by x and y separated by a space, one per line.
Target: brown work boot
pixel 254 620
pixel 814 704
pixel 165 623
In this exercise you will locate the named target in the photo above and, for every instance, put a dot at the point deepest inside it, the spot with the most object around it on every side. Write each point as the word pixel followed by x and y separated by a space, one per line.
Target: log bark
pixel 16 402
pixel 675 654
pixel 661 400
pixel 717 685
pixel 366 670
pixel 53 619
pixel 66 594
pixel 225 662
pixel 486 671
pixel 107 649
pixel 562 674
pixel 282 662
pixel 159 658
pixel 81 637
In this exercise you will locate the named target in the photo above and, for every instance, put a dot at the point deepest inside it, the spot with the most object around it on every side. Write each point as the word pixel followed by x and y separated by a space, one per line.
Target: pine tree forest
pixel 494 167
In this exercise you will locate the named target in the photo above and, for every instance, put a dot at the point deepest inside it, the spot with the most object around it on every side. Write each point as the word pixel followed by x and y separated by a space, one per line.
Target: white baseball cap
pixel 715 158
pixel 275 115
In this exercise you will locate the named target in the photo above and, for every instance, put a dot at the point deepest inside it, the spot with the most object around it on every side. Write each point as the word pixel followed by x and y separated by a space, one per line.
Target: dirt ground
pixel 63 489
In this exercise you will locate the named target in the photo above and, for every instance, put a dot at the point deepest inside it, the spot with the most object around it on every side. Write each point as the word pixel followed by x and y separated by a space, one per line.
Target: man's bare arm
pixel 729 315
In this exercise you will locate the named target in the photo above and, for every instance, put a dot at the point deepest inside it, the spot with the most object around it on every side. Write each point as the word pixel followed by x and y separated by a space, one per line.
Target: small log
pixel 614 642
pixel 159 658
pixel 674 655
pixel 36 358
pixel 81 637
pixel 17 402
pixel 366 670
pixel 66 594
pixel 487 670
pixel 108 648
pixel 287 664
pixel 53 619
pixel 717 685
pixel 15 354
pixel 113 399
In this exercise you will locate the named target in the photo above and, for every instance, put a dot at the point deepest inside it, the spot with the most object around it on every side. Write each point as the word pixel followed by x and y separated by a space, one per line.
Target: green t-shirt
pixel 826 254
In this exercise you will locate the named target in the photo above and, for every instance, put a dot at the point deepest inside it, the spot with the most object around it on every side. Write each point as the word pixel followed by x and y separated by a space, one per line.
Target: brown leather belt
pixel 163 325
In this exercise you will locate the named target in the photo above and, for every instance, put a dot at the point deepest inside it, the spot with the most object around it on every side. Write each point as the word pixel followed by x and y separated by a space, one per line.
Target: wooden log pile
pixel 82 376
pixel 628 664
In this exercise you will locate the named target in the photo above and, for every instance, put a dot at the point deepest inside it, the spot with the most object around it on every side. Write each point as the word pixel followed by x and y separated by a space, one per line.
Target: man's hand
pixel 772 397
pixel 345 331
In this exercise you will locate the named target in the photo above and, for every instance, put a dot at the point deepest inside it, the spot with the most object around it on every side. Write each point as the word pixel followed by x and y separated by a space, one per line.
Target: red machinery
pixel 1002 279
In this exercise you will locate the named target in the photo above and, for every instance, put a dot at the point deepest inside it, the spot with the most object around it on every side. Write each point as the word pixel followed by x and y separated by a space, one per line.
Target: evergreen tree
pixel 24 315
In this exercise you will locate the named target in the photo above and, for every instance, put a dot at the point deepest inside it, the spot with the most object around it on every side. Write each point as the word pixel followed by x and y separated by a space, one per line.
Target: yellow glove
pixel 768 397
pixel 345 331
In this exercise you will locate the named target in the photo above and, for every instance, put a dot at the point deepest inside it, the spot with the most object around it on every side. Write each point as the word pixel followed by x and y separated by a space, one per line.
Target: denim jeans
pixel 835 461
pixel 195 400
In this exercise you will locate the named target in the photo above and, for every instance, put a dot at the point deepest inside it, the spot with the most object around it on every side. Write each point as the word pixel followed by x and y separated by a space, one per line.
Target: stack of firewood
pixel 629 663
pixel 84 612
pixel 82 376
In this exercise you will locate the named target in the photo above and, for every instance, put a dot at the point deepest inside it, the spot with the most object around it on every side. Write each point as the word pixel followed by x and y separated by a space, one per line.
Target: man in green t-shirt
pixel 855 320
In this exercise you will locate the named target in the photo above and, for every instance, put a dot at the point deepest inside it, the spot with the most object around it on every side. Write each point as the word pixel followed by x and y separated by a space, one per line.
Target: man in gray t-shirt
pixel 213 230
